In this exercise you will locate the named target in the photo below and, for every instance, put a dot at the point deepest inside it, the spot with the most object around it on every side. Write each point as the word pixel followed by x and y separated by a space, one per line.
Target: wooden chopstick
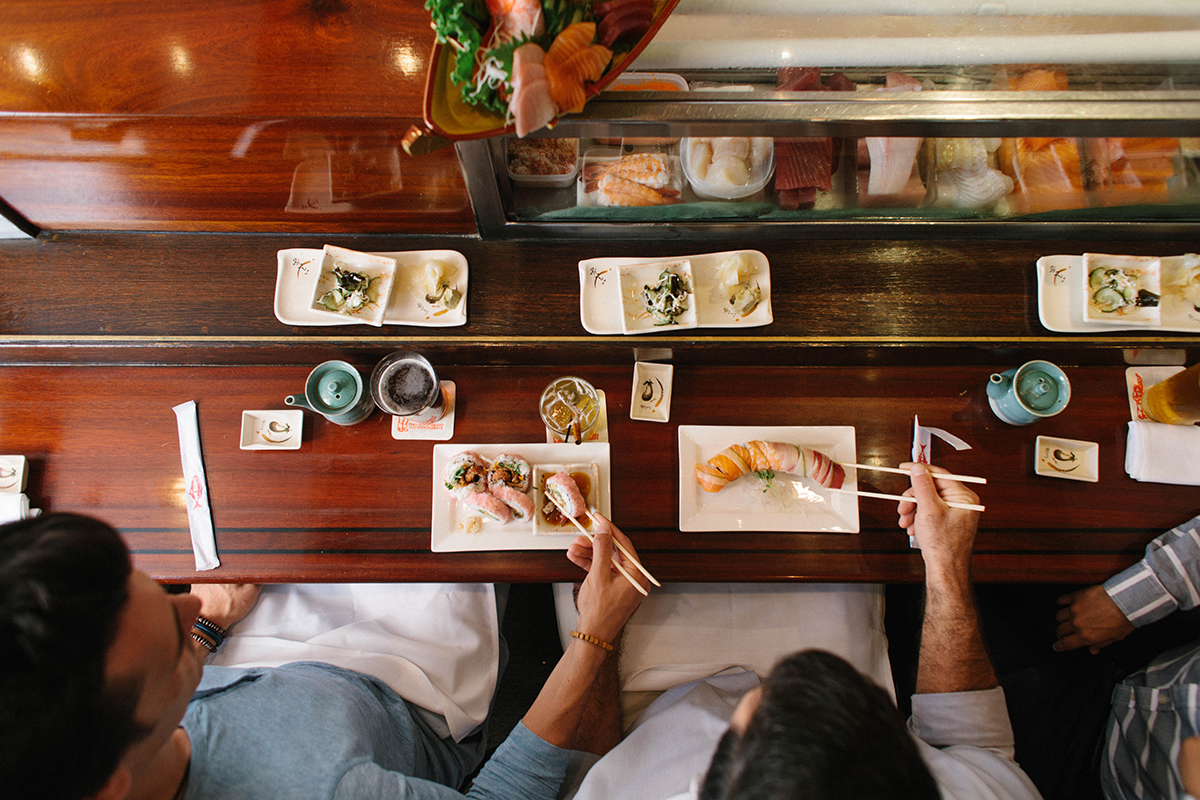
pixel 592 538
pixel 952 504
pixel 628 556
pixel 898 471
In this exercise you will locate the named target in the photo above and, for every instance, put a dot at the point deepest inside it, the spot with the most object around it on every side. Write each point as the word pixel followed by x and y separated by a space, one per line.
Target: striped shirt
pixel 1155 709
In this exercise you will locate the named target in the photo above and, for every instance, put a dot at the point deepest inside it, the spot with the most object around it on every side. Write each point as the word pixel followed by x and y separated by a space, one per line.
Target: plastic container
pixel 645 82
pixel 760 174
pixel 556 180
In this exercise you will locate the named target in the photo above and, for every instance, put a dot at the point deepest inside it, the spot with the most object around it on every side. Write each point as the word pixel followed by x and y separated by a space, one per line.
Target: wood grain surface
pixel 355 504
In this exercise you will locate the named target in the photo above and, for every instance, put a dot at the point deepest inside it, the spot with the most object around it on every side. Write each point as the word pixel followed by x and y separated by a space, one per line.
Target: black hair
pixel 63 585
pixel 821 731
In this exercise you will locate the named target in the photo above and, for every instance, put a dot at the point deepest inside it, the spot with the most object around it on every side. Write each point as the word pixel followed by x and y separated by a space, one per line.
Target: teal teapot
pixel 1025 394
pixel 335 390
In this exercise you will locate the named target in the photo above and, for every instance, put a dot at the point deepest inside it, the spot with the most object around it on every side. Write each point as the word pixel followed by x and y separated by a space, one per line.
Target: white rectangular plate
pixel 600 307
pixel 1080 461
pixel 447 530
pixel 1061 297
pixel 300 267
pixel 800 507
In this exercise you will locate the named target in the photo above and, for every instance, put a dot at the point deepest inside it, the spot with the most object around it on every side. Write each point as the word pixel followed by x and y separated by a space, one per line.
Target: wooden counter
pixel 353 504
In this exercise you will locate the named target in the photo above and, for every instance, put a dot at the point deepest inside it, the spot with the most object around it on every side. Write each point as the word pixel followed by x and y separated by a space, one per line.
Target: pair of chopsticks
pixel 898 471
pixel 621 547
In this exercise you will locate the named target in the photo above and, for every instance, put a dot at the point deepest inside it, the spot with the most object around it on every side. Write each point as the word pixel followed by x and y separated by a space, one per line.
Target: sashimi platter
pixel 517 496
pixel 516 65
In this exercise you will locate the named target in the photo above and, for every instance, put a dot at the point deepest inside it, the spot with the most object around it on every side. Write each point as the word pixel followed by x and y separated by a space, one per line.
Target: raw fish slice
pixel 607 7
pixel 783 456
pixel 971 188
pixel 758 455
pixel 630 20
pixel 532 107
pixel 514 18
pixel 893 157
pixel 527 65
pixel 804 163
pixel 729 463
pixel 710 478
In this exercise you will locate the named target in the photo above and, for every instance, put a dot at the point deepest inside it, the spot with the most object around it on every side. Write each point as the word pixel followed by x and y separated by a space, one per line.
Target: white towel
pixel 1160 453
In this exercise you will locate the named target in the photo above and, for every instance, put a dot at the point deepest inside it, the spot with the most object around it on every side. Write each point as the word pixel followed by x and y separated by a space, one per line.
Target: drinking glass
pixel 405 385
pixel 1175 400
pixel 570 407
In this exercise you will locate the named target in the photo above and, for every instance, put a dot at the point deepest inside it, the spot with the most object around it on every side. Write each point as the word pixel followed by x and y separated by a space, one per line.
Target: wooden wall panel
pixel 238 116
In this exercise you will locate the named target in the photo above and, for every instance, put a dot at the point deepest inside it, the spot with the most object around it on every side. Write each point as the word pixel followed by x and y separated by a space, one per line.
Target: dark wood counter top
pixel 353 504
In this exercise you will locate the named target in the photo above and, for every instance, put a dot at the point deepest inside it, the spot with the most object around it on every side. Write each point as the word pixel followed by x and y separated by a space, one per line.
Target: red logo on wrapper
pixel 196 491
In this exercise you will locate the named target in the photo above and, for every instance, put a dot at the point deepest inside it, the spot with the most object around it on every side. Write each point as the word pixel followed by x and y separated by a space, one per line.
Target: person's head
pixel 95 663
pixel 817 729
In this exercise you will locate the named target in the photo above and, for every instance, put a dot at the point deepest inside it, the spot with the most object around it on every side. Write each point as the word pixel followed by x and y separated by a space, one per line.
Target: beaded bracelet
pixel 205 624
pixel 592 640
pixel 209 646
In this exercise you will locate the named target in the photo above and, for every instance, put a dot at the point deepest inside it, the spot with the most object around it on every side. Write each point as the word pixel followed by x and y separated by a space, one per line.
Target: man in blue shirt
pixel 99 666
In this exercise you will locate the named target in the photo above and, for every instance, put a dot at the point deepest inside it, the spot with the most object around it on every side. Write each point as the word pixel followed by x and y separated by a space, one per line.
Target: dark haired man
pixel 816 728
pixel 98 666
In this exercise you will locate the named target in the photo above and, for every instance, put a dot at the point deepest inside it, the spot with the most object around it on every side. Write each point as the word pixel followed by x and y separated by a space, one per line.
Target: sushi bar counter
pixel 862 338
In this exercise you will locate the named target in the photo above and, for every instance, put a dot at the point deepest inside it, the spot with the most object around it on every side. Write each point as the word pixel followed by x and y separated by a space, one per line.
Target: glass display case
pixel 1003 151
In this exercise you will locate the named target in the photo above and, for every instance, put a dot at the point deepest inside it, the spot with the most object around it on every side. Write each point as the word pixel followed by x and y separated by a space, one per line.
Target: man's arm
pixel 952 656
pixel 1167 578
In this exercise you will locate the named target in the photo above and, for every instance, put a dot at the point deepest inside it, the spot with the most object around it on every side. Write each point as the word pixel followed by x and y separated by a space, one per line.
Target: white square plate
pixel 792 505
pixel 1072 459
pixel 13 474
pixel 379 270
pixel 449 529
pixel 272 430
pixel 651 397
pixel 587 477
pixel 634 278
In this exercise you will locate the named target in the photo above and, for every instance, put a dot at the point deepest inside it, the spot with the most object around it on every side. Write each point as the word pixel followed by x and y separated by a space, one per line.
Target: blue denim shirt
pixel 310 730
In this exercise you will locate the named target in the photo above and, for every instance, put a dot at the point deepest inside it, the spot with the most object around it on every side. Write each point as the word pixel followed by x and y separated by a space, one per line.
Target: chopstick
pixel 949 476
pixel 592 538
pixel 627 554
pixel 952 504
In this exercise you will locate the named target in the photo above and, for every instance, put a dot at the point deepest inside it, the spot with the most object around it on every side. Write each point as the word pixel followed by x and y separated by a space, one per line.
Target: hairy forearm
pixel 558 709
pixel 953 657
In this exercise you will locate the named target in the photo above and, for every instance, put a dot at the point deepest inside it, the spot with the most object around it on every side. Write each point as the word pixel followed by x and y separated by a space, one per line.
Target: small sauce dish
pixel 651 398
pixel 1067 458
pixel 272 430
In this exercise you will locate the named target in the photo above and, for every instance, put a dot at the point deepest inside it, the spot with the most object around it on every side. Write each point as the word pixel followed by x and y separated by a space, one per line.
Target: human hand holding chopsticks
pixel 945 534
pixel 606 598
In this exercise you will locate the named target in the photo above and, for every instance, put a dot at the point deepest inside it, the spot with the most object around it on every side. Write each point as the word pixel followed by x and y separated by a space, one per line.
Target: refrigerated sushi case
pixel 1108 145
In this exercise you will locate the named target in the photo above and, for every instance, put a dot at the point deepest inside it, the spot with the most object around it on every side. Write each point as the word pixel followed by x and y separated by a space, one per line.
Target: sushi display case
pixel 1008 151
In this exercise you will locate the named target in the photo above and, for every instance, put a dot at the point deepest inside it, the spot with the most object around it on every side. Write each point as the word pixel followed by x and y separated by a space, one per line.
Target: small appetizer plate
pixel 1067 458
pixel 379 271
pixel 13 474
pixel 1114 284
pixel 272 430
pixel 638 279
pixel 651 398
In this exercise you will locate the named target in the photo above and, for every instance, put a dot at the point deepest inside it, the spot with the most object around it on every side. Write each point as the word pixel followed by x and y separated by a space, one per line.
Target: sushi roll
pixel 710 478
pixel 488 505
pixel 564 493
pixel 466 474
pixel 522 507
pixel 510 470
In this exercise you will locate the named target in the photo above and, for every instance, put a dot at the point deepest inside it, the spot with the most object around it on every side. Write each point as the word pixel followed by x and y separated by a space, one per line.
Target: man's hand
pixel 1189 765
pixel 1089 618
pixel 226 603
pixel 606 599
pixel 945 535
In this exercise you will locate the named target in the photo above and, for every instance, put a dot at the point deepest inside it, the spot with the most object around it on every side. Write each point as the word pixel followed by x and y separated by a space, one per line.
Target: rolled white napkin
pixel 14 507
pixel 1160 453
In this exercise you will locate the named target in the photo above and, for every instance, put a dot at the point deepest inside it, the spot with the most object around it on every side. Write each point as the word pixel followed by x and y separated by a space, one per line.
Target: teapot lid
pixel 337 388
pixel 1037 389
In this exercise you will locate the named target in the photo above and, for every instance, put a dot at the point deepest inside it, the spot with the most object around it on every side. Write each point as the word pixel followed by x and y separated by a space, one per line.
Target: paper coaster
pixel 1138 380
pixel 403 428
pixel 597 434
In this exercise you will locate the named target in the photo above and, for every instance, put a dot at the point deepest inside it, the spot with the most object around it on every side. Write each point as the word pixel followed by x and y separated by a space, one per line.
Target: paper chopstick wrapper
pixel 195 488
pixel 923 443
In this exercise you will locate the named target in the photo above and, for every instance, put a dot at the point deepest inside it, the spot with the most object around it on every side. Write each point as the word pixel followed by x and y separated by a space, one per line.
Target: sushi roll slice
pixel 510 470
pixel 522 507
pixel 488 505
pixel 565 494
pixel 710 478
pixel 466 474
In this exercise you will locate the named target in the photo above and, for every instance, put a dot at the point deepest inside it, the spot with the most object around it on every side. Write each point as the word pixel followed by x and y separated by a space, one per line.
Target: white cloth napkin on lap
pixel 15 507
pixel 195 487
pixel 1161 453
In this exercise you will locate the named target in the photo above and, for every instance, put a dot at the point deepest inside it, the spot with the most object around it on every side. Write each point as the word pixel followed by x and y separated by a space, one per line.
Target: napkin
pixel 14 507
pixel 1161 453
pixel 195 491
